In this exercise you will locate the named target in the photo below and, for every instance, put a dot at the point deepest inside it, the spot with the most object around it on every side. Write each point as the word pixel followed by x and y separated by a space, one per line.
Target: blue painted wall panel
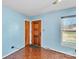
pixel 52 31
pixel 12 29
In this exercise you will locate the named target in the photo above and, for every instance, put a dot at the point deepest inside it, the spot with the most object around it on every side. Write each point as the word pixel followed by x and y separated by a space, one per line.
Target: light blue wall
pixel 13 30
pixel 51 37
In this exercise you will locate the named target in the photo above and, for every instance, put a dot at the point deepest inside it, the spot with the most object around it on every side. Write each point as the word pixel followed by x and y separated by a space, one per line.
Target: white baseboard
pixel 60 51
pixel 13 51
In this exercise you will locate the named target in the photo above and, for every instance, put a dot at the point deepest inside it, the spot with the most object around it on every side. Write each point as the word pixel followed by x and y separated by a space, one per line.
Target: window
pixel 68 30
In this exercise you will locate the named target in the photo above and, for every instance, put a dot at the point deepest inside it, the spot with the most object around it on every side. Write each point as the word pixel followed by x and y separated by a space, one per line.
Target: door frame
pixel 41 29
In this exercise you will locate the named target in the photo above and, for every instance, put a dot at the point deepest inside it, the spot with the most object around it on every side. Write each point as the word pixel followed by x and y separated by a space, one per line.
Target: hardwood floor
pixel 37 53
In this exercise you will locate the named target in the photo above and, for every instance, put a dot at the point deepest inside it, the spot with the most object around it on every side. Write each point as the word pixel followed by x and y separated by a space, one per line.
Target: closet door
pixel 36 32
pixel 27 33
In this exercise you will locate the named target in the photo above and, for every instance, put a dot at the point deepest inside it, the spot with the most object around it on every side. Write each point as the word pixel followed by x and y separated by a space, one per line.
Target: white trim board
pixel 13 51
pixel 37 19
pixel 60 51
pixel 30 32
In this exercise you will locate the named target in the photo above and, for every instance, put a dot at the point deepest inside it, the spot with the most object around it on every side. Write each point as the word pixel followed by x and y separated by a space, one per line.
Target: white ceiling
pixel 37 7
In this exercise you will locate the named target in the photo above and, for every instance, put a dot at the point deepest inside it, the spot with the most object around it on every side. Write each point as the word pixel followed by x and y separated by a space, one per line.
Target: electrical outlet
pixel 12 47
pixel 75 50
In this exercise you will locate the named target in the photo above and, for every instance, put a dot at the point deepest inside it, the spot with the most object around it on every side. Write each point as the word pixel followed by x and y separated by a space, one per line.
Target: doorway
pixel 36 33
